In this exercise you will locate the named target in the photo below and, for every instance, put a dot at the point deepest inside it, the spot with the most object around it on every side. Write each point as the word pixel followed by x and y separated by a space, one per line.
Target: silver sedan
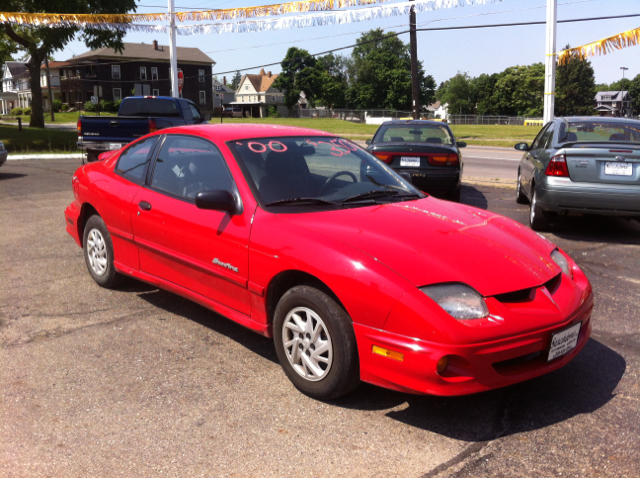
pixel 581 165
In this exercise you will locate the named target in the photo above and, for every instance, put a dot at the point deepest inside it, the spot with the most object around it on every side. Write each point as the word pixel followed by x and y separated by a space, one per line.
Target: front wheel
pixel 316 344
pixel 98 253
pixel 521 199
pixel 538 218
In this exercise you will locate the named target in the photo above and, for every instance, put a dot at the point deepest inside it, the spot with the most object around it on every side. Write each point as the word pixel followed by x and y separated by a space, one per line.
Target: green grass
pixel 478 135
pixel 37 140
pixel 62 117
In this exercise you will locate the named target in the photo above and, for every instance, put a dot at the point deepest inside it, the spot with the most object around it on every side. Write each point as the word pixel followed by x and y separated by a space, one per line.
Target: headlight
pixel 561 261
pixel 459 300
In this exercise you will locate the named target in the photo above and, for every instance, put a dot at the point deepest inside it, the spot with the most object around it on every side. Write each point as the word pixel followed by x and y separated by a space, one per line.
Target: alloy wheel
pixel 97 252
pixel 307 344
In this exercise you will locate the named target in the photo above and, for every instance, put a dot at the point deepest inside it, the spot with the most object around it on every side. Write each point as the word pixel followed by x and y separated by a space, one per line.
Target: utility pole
pixel 46 64
pixel 415 81
pixel 550 62
pixel 623 70
pixel 173 71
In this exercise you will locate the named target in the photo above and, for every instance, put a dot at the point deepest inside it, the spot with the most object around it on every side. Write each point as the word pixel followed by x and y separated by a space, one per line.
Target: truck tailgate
pixel 117 129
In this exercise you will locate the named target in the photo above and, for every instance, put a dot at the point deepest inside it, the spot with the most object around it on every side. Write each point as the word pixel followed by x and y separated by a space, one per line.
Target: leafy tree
pixel 334 73
pixel 457 94
pixel 235 82
pixel 381 74
pixel 7 48
pixel 41 41
pixel 602 87
pixel 621 85
pixel 519 91
pixel 575 87
pixel 481 91
pixel 299 73
pixel 634 93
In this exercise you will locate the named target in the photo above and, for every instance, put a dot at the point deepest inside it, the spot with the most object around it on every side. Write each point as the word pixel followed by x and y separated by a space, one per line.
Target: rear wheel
pixel 521 199
pixel 98 253
pixel 538 218
pixel 315 343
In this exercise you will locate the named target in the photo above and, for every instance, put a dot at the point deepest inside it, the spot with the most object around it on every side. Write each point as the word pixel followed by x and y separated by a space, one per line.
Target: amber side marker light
pixel 443 362
pixel 387 353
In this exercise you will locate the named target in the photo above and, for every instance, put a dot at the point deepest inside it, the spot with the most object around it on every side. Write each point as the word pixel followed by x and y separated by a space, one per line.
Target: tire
pixel 332 368
pixel 538 218
pixel 521 199
pixel 98 253
pixel 454 195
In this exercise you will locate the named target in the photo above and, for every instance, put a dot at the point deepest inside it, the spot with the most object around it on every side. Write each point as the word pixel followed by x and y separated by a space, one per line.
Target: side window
pixel 547 139
pixel 536 143
pixel 133 161
pixel 187 165
pixel 195 112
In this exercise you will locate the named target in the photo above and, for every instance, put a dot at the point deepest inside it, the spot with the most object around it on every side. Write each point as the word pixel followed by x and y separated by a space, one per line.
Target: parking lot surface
pixel 140 382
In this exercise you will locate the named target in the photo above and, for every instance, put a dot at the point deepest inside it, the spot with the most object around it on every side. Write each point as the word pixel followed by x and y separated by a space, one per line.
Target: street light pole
pixel 415 81
pixel 623 70
pixel 550 63
pixel 173 71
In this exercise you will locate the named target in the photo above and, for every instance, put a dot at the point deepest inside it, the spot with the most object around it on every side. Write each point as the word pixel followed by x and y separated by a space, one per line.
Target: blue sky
pixel 442 53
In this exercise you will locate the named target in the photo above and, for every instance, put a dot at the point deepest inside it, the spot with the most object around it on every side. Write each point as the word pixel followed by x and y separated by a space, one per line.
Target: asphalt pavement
pixel 140 382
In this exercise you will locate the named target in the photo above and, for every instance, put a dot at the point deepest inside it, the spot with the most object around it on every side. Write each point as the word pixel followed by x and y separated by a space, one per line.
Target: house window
pixel 154 73
pixel 115 71
pixel 201 76
pixel 156 92
pixel 143 73
pixel 203 97
pixel 117 94
pixel 77 73
pixel 273 98
pixel 218 87
pixel 217 95
pixel 247 87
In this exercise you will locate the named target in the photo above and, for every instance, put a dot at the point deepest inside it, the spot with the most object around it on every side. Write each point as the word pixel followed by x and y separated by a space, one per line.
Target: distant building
pixel 222 94
pixel 140 69
pixel 255 95
pixel 438 110
pixel 613 103
pixel 11 77
pixel 16 85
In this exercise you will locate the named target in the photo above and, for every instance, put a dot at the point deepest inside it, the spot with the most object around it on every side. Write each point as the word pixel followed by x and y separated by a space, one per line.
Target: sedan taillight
pixel 384 157
pixel 152 125
pixel 444 159
pixel 557 167
pixel 79 127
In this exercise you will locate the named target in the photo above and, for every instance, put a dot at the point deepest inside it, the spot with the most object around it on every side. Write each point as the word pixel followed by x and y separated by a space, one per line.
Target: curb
pixel 497 183
pixel 53 156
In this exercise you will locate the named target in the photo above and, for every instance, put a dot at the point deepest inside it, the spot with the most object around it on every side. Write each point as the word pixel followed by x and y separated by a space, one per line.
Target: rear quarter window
pixel 133 161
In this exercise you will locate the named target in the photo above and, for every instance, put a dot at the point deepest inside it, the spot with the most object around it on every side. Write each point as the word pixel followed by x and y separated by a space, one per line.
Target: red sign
pixel 180 81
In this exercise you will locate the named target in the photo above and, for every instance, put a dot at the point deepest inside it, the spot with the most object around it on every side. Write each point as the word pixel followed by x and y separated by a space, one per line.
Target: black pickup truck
pixel 137 116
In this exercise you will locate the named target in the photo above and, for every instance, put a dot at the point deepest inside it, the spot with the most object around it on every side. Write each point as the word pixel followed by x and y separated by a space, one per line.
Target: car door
pixel 527 165
pixel 204 251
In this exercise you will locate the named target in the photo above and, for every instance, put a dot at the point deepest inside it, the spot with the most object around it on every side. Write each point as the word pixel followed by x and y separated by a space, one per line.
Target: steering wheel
pixel 325 187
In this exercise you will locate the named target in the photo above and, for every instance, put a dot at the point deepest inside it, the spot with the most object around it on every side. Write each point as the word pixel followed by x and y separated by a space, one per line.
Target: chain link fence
pixel 492 120
pixel 358 116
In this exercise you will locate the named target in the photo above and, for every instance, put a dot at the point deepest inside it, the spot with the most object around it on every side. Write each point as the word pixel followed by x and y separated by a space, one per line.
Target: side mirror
pixel 522 146
pixel 405 176
pixel 368 142
pixel 461 144
pixel 207 117
pixel 219 200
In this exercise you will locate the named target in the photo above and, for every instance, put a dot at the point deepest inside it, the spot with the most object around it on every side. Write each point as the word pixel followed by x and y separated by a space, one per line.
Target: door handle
pixel 144 206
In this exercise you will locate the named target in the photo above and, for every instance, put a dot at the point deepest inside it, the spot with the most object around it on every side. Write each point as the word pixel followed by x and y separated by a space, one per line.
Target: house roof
pixel 615 95
pixel 223 86
pixel 147 52
pixel 262 81
pixel 433 106
pixel 54 64
pixel 16 68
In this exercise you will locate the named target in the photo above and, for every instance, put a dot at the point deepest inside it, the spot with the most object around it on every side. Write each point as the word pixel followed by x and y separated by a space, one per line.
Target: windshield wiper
pixel 302 201
pixel 369 195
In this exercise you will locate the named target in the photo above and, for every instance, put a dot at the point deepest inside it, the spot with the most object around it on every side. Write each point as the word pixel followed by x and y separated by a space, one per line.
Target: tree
pixel 634 93
pixel 235 82
pixel 457 94
pixel 481 91
pixel 299 73
pixel 7 48
pixel 380 76
pixel 519 91
pixel 575 87
pixel 41 41
pixel 334 72
pixel 621 85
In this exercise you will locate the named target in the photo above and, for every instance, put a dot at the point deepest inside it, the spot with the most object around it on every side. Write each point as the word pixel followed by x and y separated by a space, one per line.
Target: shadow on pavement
pixel 180 306
pixel 582 386
pixel 473 197
pixel 598 229
pixel 10 176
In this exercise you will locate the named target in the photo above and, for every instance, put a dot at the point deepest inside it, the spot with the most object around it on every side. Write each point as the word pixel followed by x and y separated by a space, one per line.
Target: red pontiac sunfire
pixel 357 276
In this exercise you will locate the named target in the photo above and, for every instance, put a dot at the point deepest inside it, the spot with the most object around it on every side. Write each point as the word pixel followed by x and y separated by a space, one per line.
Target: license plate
pixel 115 146
pixel 409 161
pixel 618 169
pixel 564 341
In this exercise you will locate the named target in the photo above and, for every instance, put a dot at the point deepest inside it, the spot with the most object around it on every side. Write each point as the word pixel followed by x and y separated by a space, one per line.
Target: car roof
pixel 413 122
pixel 239 131
pixel 608 119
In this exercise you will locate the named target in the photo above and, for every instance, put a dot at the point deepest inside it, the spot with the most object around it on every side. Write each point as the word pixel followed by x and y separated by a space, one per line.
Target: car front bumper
pixel 472 368
pixel 71 216
pixel 561 195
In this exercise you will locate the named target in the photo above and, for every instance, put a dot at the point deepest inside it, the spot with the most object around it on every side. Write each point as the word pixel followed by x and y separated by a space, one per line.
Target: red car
pixel 305 237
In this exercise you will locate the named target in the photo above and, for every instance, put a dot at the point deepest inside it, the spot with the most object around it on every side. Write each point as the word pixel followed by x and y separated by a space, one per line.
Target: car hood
pixel 433 241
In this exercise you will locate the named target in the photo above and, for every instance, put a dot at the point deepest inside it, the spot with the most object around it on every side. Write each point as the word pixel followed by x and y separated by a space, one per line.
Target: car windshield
pixel 599 131
pixel 415 133
pixel 317 171
pixel 149 107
